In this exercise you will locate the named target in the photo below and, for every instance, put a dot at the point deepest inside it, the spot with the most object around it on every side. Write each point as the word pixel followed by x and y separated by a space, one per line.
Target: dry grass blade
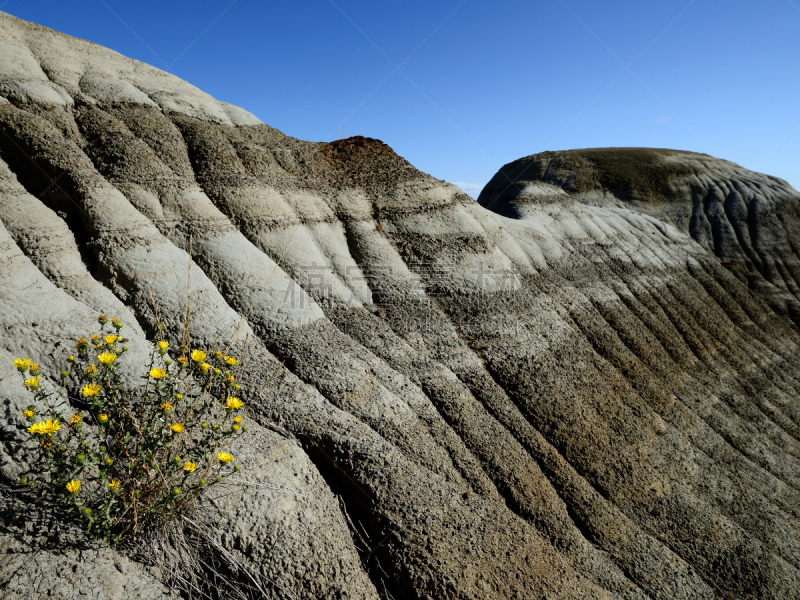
pixel 242 357
pixel 273 376
pixel 193 565
pixel 186 340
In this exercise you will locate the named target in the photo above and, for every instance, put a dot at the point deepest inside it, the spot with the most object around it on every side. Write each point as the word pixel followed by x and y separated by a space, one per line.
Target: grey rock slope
pixel 751 221
pixel 576 402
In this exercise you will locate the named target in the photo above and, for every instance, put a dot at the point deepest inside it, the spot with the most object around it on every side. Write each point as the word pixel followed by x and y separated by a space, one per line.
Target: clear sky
pixel 460 88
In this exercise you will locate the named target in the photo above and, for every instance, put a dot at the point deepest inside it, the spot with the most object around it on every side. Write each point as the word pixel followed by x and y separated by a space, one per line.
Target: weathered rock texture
pixel 569 401
pixel 751 221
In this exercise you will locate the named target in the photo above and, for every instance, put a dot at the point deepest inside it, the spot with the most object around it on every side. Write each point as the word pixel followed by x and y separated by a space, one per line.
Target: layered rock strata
pixel 749 220
pixel 559 400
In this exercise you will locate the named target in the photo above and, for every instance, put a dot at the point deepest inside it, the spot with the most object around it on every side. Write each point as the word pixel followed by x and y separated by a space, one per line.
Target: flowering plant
pixel 133 459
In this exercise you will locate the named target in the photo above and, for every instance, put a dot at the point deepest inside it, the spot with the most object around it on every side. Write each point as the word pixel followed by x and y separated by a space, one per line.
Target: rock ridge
pixel 749 220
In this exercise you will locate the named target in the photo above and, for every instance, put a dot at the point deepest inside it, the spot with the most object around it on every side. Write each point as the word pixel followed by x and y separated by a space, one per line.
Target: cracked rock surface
pixel 557 397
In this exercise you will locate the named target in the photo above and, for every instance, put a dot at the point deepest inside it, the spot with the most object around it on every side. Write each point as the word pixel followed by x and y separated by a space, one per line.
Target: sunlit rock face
pixel 749 220
pixel 538 397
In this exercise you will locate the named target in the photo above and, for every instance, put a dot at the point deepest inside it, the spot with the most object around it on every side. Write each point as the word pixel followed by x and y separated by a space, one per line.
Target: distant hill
pixel 751 221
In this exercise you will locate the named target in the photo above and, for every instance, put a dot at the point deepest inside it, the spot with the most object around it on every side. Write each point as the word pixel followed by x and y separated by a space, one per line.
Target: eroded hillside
pixel 751 221
pixel 560 401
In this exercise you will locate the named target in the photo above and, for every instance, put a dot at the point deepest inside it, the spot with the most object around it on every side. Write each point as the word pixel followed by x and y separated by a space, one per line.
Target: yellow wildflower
pixel 82 343
pixel 113 485
pixel 233 403
pixel 205 367
pixel 48 427
pixel 190 467
pixel 238 419
pixel 165 406
pixel 179 396
pixel 73 486
pixel 183 360
pixel 103 417
pixel 218 353
pixel 230 379
pixel 90 390
pixel 22 364
pixel 158 373
pixel 91 369
pixel 224 457
pixel 198 356
pixel 76 418
pixel 32 383
pixel 109 460
pixel 94 337
pixel 163 344
pixel 177 427
pixel 71 358
pixel 34 368
pixel 235 427
pixel 107 358
pixel 231 361
pixel 28 413
pixel 110 339
pixel 46 442
pixel 217 371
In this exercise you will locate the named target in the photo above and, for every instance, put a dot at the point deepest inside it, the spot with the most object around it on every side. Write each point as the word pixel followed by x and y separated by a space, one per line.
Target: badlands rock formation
pixel 751 221
pixel 559 401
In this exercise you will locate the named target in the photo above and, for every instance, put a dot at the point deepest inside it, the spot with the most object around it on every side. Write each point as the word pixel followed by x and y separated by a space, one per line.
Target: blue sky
pixel 460 88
